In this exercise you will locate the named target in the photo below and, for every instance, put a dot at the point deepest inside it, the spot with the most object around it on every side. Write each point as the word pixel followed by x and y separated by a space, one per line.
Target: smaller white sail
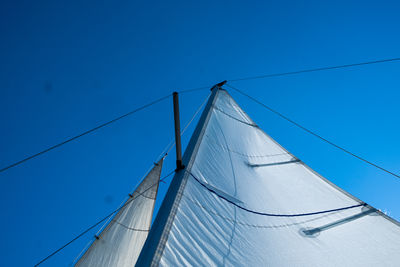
pixel 122 240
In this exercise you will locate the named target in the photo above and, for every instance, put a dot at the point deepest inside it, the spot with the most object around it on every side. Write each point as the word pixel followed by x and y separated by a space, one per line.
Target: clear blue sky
pixel 67 66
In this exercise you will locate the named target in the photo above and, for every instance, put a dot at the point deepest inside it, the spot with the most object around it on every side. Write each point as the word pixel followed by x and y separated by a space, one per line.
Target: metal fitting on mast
pixel 219 85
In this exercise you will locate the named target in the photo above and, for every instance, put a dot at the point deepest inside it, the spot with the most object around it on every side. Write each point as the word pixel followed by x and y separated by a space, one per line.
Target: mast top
pixel 218 85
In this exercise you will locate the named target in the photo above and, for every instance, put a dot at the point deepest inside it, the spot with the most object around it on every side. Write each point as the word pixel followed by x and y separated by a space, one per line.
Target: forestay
pixel 239 169
pixel 121 241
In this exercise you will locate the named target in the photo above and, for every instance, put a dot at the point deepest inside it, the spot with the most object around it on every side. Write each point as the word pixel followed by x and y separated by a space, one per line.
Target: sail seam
pixel 273 214
pixel 246 155
pixel 233 231
pixel 141 195
pixel 130 228
pixel 236 119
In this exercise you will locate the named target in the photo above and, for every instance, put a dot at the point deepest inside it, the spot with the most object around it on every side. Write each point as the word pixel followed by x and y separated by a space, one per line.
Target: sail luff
pixel 155 243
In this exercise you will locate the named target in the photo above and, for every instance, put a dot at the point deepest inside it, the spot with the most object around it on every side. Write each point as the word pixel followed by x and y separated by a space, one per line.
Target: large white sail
pixel 121 241
pixel 222 213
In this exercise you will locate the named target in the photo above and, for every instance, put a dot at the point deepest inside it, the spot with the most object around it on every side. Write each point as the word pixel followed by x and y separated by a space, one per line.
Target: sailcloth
pixel 244 200
pixel 121 241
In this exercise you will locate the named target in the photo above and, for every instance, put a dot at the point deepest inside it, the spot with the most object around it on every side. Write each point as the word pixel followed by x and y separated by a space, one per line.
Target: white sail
pixel 238 178
pixel 121 241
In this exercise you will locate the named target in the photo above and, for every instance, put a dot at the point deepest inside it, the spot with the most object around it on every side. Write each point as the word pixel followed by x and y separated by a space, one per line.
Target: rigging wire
pixel 101 220
pixel 312 132
pixel 315 69
pixel 202 88
pixel 193 90
pixel 84 133
pixel 109 216
pixel 164 153
pixel 197 89
pixel 96 128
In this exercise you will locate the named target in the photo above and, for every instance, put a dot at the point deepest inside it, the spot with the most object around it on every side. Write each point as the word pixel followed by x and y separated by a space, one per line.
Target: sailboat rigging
pixel 238 198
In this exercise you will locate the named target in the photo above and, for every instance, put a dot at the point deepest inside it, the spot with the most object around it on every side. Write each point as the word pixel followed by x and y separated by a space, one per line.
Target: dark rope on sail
pixel 273 226
pixel 312 133
pixel 274 214
pixel 100 221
